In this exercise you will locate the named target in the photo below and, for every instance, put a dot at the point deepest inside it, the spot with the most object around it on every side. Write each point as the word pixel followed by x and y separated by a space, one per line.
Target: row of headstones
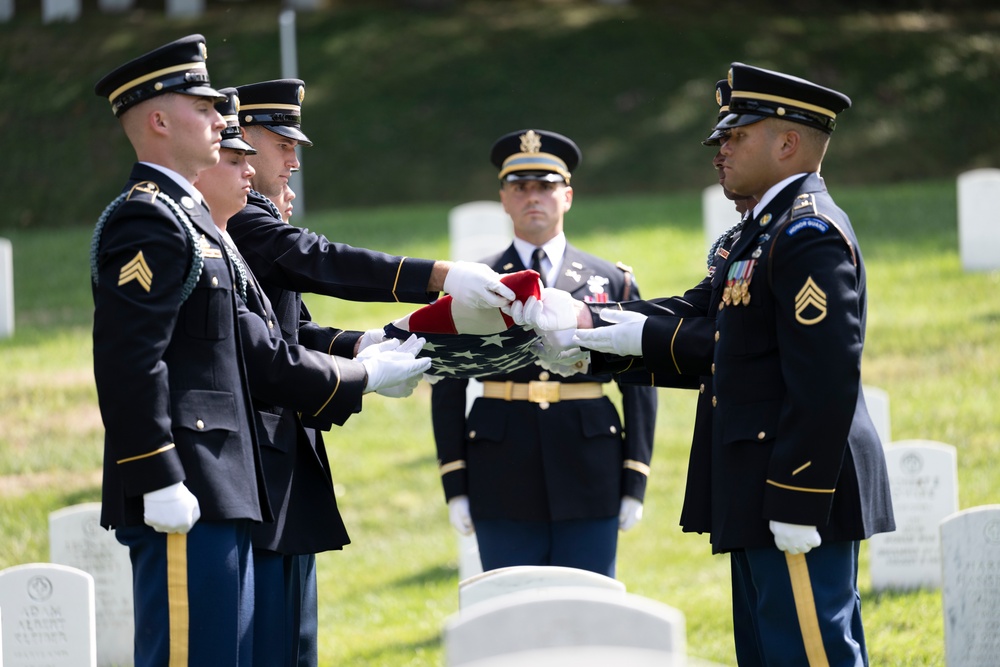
pixel 75 611
pixel 978 192
pixel 70 10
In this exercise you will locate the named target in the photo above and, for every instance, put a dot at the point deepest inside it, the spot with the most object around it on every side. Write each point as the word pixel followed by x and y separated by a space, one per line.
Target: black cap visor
pixel 546 176
pixel 291 132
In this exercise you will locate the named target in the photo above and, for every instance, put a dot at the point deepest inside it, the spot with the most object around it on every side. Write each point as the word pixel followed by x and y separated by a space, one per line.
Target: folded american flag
pixel 472 342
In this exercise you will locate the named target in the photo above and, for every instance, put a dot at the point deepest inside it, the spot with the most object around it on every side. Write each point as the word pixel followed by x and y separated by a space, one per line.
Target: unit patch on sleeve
pixel 137 270
pixel 807 223
pixel 810 304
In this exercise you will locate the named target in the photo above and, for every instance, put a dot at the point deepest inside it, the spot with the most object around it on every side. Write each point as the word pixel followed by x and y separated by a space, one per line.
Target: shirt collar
pixel 554 249
pixel 772 192
pixel 184 183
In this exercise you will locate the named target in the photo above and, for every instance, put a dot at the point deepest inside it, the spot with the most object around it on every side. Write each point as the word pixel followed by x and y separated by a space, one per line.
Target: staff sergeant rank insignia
pixel 137 270
pixel 810 304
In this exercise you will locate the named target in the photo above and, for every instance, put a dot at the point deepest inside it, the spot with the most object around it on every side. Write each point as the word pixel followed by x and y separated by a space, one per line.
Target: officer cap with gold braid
pixel 232 136
pixel 177 67
pixel 722 95
pixel 276 105
pixel 760 93
pixel 535 155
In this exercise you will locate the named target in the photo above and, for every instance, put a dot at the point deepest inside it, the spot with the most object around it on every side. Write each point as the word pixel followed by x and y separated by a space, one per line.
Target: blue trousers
pixel 799 611
pixel 286 620
pixel 193 594
pixel 587 544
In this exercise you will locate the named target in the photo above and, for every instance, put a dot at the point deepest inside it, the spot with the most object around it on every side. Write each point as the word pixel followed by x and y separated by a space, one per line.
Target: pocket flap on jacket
pixel 201 410
pixel 751 421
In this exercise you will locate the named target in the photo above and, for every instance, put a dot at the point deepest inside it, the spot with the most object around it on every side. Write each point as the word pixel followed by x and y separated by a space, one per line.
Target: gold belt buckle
pixel 543 392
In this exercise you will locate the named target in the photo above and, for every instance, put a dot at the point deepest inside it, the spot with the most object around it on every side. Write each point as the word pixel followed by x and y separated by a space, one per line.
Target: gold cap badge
pixel 531 142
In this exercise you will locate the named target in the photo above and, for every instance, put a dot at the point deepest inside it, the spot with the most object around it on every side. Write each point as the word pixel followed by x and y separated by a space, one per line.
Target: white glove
pixel 458 514
pixel 476 285
pixel 794 538
pixel 172 509
pixel 555 352
pixel 555 310
pixel 391 363
pixel 370 337
pixel 630 513
pixel 623 337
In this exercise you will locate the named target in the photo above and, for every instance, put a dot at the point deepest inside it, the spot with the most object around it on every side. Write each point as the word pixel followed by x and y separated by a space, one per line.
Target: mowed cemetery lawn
pixel 932 344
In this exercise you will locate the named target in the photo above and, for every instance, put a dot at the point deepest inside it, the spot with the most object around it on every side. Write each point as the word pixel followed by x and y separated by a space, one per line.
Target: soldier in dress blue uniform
pixel 794 476
pixel 542 469
pixel 289 260
pixel 175 354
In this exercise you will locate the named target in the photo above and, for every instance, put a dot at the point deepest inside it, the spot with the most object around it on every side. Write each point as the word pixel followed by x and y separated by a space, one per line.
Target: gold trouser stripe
pixel 177 598
pixel 638 466
pixel 446 468
pixel 146 455
pixel 799 488
pixel 336 367
pixel 673 339
pixel 805 608
pixel 395 283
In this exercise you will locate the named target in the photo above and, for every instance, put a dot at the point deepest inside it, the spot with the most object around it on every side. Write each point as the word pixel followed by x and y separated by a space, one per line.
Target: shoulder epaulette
pixel 153 191
pixel 624 267
pixel 146 188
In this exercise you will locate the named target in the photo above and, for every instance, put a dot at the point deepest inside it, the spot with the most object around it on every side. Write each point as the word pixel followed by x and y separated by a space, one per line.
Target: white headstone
pixel 60 10
pixel 6 10
pixel 185 8
pixel 114 6
pixel 6 289
pixel 979 219
pixel 565 616
pixel 718 213
pixel 48 616
pixel 586 656
pixel 478 229
pixel 77 539
pixel 506 580
pixel 970 543
pixel 877 401
pixel 923 477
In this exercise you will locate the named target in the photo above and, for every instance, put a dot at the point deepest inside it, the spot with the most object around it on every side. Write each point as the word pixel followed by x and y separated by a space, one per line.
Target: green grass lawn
pixel 933 344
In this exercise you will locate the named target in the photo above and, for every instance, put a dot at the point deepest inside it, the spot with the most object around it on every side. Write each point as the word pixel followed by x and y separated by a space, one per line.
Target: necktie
pixel 536 264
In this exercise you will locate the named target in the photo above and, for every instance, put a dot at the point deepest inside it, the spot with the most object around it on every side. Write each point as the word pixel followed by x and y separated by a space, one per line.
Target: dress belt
pixel 542 392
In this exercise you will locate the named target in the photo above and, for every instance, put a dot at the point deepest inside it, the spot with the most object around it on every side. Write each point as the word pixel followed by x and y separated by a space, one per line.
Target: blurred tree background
pixel 404 98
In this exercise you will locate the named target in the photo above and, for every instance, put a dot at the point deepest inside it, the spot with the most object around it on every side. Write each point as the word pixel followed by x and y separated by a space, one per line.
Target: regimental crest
pixel 531 142
pixel 138 270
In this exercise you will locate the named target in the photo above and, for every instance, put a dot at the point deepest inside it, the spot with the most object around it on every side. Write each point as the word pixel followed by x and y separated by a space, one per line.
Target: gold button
pixel 715 401
pixel 716 336
pixel 701 389
pixel 215 281
pixel 544 405
pixel 761 435
pixel 270 324
pixel 544 376
pixel 713 369
pixel 472 434
pixel 199 424
pixel 614 429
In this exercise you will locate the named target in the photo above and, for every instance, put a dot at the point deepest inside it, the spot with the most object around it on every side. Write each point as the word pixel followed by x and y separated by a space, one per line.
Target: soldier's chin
pixel 732 196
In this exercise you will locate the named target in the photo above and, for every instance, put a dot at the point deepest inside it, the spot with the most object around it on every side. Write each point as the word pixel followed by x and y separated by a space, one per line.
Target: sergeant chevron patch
pixel 137 270
pixel 810 304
